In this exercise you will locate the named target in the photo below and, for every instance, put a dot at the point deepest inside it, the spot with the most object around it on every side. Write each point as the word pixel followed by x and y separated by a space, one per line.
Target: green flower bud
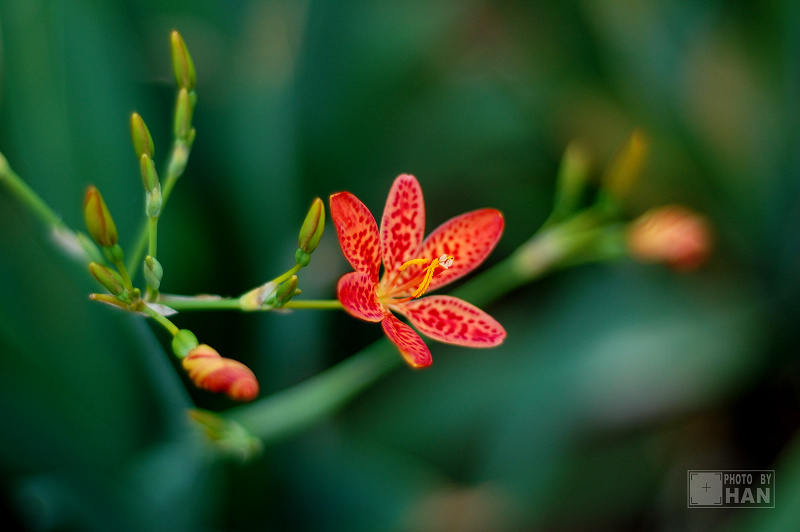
pixel 98 218
pixel 227 435
pixel 182 63
pixel 153 202
pixel 624 170
pixel 153 272
pixel 142 140
pixel 285 291
pixel 310 232
pixel 183 342
pixel 110 279
pixel 148 171
pixel 183 115
pixel 571 180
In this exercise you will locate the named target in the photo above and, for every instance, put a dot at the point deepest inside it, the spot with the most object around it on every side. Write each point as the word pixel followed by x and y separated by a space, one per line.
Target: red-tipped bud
pixel 672 234
pixel 98 220
pixel 209 371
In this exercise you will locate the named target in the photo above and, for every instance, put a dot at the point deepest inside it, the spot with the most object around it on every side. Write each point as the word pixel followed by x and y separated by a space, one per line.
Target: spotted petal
pixel 403 223
pixel 469 238
pixel 411 346
pixel 454 321
pixel 357 232
pixel 356 291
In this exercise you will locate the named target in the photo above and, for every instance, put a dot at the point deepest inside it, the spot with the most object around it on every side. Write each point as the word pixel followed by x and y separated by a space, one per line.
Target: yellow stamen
pixel 444 261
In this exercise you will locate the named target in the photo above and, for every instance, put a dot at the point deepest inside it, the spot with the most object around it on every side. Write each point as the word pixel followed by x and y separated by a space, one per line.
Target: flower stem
pixel 175 167
pixel 28 197
pixel 281 278
pixel 290 411
pixel 164 322
pixel 318 304
pixel 181 303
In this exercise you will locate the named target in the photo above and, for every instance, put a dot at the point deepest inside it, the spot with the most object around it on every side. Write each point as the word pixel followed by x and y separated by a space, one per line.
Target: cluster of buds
pixel 672 234
pixel 203 364
pixel 103 231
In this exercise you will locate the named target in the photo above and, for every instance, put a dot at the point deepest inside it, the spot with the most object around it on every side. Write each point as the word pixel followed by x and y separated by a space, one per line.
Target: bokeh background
pixel 615 378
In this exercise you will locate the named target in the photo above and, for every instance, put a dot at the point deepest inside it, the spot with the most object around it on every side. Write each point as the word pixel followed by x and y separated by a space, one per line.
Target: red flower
pixel 412 266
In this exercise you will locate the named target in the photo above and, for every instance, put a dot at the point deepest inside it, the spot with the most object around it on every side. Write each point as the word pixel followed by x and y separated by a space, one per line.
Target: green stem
pixel 290 411
pixel 164 322
pixel 28 197
pixel 124 273
pixel 181 303
pixel 175 167
pixel 317 304
pixel 281 278
pixel 152 226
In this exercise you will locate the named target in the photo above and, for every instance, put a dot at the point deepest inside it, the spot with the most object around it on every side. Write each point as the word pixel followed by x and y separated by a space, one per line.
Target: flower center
pixel 424 278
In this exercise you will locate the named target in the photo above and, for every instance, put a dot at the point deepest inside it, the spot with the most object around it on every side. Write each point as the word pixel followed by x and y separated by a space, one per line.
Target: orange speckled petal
pixel 403 223
pixel 469 238
pixel 454 321
pixel 411 346
pixel 356 291
pixel 357 232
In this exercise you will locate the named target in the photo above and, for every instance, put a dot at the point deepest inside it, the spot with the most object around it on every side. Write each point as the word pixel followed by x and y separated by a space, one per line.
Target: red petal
pixel 356 291
pixel 454 321
pixel 358 233
pixel 411 346
pixel 403 223
pixel 469 238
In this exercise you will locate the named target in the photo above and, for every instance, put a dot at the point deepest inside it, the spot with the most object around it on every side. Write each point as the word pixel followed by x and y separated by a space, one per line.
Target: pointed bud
pixel 253 299
pixel 571 180
pixel 310 232
pixel 184 109
pixel 108 278
pixel 183 342
pixel 148 170
pixel 209 371
pixel 182 62
pixel 153 272
pixel 108 299
pixel 140 135
pixel 227 435
pixel 284 293
pixel 98 218
pixel 671 234
pixel 624 170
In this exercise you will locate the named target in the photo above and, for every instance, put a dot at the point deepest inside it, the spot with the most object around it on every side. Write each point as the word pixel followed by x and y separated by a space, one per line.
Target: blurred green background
pixel 615 379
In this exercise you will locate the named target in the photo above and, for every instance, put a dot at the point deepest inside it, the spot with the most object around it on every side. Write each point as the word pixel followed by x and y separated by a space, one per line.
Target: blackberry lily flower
pixel 412 266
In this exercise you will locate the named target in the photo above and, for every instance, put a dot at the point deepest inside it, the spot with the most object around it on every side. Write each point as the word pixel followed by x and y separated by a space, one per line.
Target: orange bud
pixel 98 218
pixel 671 234
pixel 210 371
